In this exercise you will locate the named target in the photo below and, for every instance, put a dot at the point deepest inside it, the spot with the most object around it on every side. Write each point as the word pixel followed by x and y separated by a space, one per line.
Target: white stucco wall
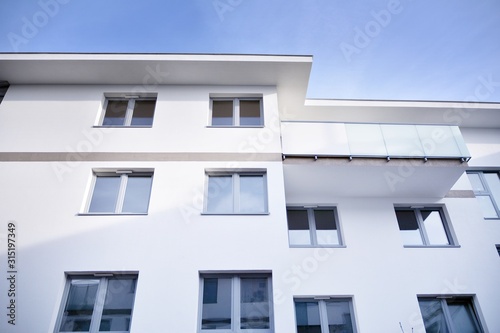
pixel 174 242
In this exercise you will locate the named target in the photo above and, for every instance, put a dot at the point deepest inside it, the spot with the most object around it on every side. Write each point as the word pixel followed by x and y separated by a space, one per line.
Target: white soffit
pixel 463 114
pixel 289 73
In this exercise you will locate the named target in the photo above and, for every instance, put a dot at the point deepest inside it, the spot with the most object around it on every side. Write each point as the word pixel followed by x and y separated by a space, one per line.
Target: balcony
pixel 353 159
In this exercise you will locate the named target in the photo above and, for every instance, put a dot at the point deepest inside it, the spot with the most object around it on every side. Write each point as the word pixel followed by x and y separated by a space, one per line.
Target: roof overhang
pixel 289 73
pixel 463 114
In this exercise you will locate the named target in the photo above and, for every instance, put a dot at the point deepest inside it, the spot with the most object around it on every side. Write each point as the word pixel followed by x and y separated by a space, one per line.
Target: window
pixel 236 193
pixel 237 112
pixel 236 303
pixel 101 302
pixel 486 186
pixel 120 192
pixel 324 315
pixel 133 111
pixel 449 314
pixel 313 227
pixel 498 248
pixel 423 227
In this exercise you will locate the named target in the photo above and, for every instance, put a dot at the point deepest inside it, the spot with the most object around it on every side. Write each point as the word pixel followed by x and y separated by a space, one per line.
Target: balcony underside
pixel 324 179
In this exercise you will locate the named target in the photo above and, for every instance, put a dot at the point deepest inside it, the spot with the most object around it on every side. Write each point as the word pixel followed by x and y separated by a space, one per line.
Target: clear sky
pixel 373 49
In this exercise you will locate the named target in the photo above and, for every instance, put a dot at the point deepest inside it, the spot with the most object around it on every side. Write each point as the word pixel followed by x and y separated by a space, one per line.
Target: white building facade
pixel 205 193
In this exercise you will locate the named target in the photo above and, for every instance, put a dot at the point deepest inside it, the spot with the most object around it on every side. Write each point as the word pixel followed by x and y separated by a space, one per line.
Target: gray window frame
pixel 323 315
pixel 312 226
pixel 127 122
pixel 487 191
pixel 103 278
pixel 421 226
pixel 123 175
pixel 236 111
pixel 236 193
pixel 235 301
pixel 444 307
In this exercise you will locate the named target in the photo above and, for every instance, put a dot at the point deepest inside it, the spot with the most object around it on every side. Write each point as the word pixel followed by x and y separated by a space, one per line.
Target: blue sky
pixel 398 49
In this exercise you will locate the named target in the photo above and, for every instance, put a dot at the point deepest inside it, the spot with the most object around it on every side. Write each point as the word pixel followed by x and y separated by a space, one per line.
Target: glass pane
pixel 216 311
pixel 463 317
pixel 438 141
pixel 365 140
pixel 105 195
pixel 434 228
pixel 250 113
pixel 252 194
pixel 115 113
pixel 143 113
pixel 494 185
pixel 326 228
pixel 118 305
pixel 408 225
pixel 475 181
pixel 402 140
pixel 222 113
pixel 487 206
pixel 254 303
pixel 433 316
pixel 79 306
pixel 339 317
pixel 220 194
pixel 137 194
pixel 307 315
pixel 298 227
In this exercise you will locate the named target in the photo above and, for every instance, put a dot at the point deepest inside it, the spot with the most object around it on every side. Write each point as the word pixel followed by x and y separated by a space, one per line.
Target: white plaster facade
pixel 50 143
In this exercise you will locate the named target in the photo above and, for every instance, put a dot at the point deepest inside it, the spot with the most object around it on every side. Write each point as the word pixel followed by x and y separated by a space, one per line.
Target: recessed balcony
pixel 353 159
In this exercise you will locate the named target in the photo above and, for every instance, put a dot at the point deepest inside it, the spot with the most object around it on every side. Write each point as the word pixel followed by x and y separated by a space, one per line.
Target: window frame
pixel 311 219
pixel 236 174
pixel 446 312
pixel 235 301
pixel 99 302
pixel 323 315
pixel 129 114
pixel 123 174
pixel 452 242
pixel 236 118
pixel 487 191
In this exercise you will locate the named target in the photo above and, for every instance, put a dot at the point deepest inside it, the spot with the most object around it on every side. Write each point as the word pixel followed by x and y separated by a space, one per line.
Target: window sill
pixel 317 246
pixel 208 214
pixel 112 214
pixel 234 126
pixel 431 246
pixel 120 126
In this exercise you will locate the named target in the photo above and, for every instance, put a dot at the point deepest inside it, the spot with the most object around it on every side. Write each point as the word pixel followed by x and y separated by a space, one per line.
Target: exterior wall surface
pixel 50 144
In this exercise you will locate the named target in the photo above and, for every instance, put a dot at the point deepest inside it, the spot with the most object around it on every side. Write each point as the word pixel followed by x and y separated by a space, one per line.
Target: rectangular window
pixel 120 192
pixel 236 193
pixel 449 314
pixel 486 186
pixel 423 227
pixel 324 315
pixel 101 302
pixel 133 111
pixel 237 112
pixel 313 227
pixel 236 303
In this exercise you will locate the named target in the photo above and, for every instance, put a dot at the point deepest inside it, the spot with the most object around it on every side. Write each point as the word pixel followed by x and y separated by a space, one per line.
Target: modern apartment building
pixel 207 194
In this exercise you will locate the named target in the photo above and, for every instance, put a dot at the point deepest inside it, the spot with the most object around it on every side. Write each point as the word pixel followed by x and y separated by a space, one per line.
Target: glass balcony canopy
pixel 330 139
